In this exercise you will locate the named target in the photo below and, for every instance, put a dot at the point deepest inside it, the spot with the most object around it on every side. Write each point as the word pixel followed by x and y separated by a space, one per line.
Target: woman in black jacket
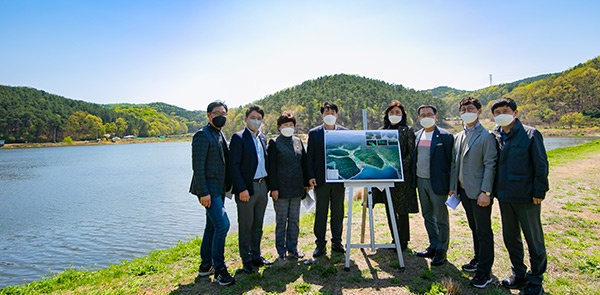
pixel 288 184
pixel 404 196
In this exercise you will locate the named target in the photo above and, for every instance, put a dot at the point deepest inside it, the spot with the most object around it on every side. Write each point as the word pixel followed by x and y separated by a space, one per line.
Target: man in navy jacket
pixel 433 160
pixel 521 186
pixel 249 173
pixel 325 193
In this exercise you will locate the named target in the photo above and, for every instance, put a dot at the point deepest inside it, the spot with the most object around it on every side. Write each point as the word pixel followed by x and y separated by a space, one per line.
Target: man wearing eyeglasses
pixel 433 157
pixel 472 178
pixel 209 183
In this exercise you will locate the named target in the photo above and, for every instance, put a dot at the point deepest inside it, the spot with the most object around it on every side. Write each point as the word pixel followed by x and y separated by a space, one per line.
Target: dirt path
pixel 570 187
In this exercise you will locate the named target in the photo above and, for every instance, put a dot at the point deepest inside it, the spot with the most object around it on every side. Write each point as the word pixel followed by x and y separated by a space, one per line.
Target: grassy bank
pixel 571 217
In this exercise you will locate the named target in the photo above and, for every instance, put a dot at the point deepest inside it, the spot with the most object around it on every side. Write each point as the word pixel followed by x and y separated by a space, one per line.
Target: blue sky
pixel 188 53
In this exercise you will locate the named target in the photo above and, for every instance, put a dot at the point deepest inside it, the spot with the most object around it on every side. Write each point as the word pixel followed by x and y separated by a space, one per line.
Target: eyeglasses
pixel 427 115
pixel 469 108
pixel 216 114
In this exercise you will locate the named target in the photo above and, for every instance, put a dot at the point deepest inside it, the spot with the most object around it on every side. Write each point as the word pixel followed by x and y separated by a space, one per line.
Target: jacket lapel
pixel 474 136
pixel 263 142
pixel 215 136
pixel 435 137
pixel 250 144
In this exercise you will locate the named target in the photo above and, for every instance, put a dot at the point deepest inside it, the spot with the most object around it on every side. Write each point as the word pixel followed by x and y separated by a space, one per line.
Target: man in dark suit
pixel 472 178
pixel 209 183
pixel 433 157
pixel 325 193
pixel 249 173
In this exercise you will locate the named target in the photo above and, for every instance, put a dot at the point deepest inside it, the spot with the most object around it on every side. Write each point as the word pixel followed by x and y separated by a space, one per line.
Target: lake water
pixel 89 206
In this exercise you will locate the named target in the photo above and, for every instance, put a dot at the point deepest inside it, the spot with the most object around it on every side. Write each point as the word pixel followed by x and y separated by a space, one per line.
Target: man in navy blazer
pixel 325 193
pixel 433 159
pixel 249 173
pixel 209 183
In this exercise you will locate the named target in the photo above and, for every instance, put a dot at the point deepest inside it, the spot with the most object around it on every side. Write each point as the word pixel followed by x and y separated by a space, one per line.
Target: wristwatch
pixel 487 193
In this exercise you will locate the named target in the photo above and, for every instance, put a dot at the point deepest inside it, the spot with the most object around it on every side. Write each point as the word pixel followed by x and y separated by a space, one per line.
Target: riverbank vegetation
pixel 570 214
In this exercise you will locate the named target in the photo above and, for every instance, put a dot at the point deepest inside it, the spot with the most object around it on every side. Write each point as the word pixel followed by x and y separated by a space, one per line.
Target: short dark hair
pixel 423 106
pixel 467 100
pixel 505 101
pixel 386 118
pixel 214 104
pixel 327 105
pixel 255 108
pixel 285 117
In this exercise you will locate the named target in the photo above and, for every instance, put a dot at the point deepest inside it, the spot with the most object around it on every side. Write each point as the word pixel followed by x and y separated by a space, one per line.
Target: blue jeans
pixel 213 242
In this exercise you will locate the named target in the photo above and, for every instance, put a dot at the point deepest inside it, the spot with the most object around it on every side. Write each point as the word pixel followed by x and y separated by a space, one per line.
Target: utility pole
pixel 491 80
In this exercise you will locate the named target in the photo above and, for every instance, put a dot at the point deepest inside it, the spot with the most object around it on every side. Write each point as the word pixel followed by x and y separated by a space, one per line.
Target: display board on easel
pixel 362 155
pixel 365 158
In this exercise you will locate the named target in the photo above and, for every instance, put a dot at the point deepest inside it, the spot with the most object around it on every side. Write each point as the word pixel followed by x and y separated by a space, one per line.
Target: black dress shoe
pixel 429 253
pixel 319 251
pixel 514 282
pixel 439 258
pixel 337 247
pixel 258 262
pixel 248 268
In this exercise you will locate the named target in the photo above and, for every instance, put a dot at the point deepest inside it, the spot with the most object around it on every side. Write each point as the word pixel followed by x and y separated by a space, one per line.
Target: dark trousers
pixel 524 217
pixel 251 215
pixel 329 194
pixel 287 228
pixel 480 223
pixel 402 224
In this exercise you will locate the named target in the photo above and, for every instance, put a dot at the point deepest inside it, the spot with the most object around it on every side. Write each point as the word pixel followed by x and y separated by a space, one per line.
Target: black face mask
pixel 219 121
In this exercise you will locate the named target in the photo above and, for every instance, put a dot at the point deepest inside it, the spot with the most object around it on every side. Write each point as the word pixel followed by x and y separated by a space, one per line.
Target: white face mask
pixel 395 119
pixel 427 122
pixel 254 124
pixel 287 131
pixel 504 119
pixel 329 120
pixel 469 118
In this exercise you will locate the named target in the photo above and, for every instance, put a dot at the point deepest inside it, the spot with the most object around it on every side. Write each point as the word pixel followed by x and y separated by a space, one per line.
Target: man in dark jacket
pixel 432 162
pixel 521 186
pixel 209 183
pixel 249 173
pixel 326 193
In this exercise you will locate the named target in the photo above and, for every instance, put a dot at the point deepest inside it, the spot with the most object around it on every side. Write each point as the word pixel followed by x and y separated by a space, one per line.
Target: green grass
pixel 565 155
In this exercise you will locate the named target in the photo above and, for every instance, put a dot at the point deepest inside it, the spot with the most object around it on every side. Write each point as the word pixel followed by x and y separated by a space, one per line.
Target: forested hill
pixel 452 96
pixel 562 98
pixel 32 115
pixel 567 98
pixel 351 93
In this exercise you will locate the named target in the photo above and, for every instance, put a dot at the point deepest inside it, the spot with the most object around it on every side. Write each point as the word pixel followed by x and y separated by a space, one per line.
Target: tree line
pixel 31 115
pixel 351 93
pixel 569 98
